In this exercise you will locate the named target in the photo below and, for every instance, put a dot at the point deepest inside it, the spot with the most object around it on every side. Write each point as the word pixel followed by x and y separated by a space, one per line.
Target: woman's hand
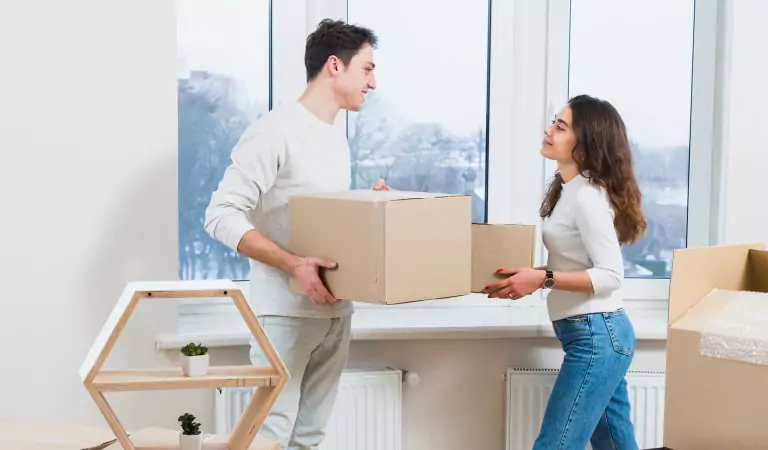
pixel 522 282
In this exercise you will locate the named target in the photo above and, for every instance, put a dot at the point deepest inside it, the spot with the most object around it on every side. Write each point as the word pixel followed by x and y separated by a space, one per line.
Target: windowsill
pixel 523 321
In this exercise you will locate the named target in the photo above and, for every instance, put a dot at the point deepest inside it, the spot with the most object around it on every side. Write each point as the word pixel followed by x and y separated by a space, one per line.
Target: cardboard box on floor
pixel 164 439
pixel 45 434
pixel 391 246
pixel 717 349
pixel 50 435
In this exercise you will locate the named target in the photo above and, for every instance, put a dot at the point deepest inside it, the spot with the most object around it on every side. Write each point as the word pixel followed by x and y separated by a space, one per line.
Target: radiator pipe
pixel 411 378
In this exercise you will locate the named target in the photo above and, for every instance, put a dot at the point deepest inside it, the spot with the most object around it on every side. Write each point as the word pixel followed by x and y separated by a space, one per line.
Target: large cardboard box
pixel 21 434
pixel 391 246
pixel 50 435
pixel 717 349
pixel 496 246
pixel 165 439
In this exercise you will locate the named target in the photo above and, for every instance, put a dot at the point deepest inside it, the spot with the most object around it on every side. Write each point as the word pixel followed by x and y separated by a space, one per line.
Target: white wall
pixel 88 185
pixel 745 107
pixel 88 182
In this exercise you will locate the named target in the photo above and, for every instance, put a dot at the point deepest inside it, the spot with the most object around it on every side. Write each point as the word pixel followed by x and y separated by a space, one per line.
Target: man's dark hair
pixel 333 37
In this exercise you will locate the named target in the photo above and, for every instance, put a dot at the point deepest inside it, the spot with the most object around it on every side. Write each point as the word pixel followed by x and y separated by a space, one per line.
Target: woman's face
pixel 560 139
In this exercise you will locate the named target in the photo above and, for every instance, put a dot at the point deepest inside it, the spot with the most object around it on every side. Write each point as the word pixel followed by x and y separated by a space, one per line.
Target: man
pixel 295 149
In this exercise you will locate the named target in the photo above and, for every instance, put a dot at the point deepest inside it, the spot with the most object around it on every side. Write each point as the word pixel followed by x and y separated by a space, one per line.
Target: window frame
pixel 702 223
pixel 529 45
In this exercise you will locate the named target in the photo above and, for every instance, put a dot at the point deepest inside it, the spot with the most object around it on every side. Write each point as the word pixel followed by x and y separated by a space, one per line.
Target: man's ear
pixel 334 65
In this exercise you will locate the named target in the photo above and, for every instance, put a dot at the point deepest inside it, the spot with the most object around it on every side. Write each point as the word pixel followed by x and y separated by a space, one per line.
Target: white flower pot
pixel 191 442
pixel 195 366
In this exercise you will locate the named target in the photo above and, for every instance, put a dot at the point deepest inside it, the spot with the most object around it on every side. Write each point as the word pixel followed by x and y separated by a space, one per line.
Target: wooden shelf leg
pixel 253 417
pixel 111 418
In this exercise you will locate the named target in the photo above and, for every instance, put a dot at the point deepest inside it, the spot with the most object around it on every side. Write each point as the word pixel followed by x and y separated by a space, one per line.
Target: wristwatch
pixel 549 280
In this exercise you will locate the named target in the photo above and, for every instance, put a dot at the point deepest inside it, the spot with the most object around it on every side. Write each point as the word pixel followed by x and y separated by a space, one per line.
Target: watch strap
pixel 549 279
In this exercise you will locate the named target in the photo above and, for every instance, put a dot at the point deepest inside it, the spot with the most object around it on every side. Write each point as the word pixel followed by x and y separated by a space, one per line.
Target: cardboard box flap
pixel 50 435
pixel 369 195
pixel 697 318
pixel 165 439
pixel 696 271
pixel 503 225
pixel 758 270
pixel 411 195
pixel 53 435
pixel 27 445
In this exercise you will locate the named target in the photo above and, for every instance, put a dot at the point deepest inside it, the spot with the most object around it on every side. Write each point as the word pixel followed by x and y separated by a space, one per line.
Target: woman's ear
pixel 578 155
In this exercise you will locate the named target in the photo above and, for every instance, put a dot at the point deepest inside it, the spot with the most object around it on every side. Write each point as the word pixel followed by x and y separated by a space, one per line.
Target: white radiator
pixel 529 389
pixel 367 414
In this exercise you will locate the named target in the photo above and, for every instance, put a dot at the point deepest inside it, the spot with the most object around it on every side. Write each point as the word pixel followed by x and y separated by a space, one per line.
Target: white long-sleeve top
pixel 285 152
pixel 580 235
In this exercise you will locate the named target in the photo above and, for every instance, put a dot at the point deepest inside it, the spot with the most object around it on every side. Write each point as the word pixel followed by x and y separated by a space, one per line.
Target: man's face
pixel 352 83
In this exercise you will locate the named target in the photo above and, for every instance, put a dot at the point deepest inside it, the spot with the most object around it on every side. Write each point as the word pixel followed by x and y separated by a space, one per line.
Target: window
pixel 647 77
pixel 655 62
pixel 463 98
pixel 223 84
pixel 418 131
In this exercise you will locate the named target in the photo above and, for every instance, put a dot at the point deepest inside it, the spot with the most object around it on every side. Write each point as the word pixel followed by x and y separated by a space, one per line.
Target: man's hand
pixel 381 186
pixel 522 282
pixel 305 271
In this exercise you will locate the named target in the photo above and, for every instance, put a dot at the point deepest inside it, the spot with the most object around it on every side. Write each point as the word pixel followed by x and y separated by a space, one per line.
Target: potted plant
pixel 190 437
pixel 195 359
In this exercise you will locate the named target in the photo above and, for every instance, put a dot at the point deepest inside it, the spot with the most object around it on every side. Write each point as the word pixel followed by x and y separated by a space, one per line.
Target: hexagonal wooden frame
pixel 269 380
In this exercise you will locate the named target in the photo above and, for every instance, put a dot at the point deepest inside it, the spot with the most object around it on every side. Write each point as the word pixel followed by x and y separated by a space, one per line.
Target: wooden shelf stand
pixel 269 380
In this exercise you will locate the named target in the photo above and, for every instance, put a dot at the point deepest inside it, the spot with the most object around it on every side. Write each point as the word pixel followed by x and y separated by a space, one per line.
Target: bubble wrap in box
pixel 740 331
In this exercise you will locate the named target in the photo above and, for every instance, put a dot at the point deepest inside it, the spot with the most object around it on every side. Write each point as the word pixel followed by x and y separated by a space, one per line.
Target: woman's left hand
pixel 522 282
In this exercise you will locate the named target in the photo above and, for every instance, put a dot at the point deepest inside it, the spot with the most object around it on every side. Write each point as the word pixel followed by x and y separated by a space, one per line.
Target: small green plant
pixel 194 350
pixel 188 425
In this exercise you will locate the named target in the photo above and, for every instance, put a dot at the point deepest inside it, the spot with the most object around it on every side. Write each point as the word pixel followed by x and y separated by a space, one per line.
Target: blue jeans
pixel 589 401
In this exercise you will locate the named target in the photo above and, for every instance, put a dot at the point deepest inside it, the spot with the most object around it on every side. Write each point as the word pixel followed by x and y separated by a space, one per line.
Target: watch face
pixel 549 283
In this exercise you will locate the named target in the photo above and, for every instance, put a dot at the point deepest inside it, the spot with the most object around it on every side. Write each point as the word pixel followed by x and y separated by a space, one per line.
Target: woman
pixel 590 208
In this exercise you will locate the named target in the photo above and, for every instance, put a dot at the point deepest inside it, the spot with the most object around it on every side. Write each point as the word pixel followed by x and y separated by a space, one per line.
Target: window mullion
pixel 288 40
pixel 517 111
pixel 557 64
pixel 702 188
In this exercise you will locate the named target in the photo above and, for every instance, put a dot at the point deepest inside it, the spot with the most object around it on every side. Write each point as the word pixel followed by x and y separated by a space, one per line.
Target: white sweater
pixel 580 235
pixel 287 151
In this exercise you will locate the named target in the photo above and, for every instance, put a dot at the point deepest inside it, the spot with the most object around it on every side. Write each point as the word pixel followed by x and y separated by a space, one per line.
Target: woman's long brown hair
pixel 603 154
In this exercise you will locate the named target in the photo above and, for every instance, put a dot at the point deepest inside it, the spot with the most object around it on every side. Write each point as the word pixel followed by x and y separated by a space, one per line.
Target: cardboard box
pixel 391 246
pixel 49 435
pixel 164 439
pixel 45 434
pixel 496 246
pixel 717 349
